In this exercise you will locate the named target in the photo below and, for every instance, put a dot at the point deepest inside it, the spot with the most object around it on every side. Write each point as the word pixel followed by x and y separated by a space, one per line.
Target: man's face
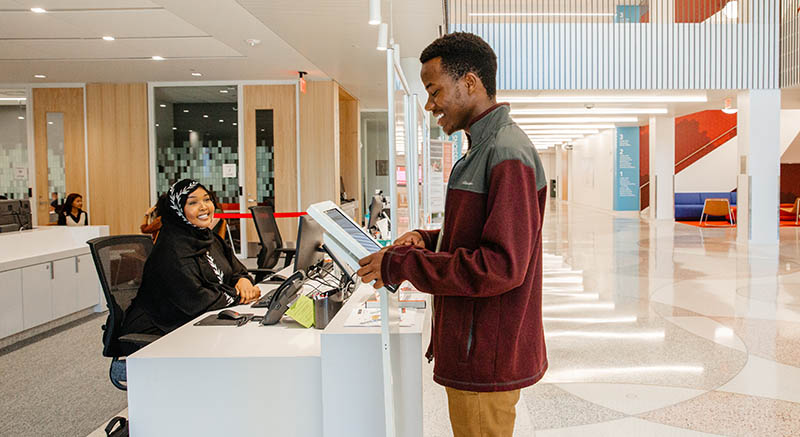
pixel 447 97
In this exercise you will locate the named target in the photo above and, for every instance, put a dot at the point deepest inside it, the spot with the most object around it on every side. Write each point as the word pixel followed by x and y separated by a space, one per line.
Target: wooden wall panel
pixel 350 155
pixel 68 101
pixel 281 99
pixel 119 182
pixel 319 143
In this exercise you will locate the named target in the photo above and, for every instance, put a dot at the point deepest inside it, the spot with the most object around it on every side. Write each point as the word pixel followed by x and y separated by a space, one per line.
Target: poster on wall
pixel 626 169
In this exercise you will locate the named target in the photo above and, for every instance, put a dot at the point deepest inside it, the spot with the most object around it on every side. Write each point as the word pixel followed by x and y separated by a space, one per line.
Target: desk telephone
pixel 277 301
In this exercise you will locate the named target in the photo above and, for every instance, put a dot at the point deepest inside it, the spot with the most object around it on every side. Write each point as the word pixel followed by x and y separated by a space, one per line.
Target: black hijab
pixel 187 238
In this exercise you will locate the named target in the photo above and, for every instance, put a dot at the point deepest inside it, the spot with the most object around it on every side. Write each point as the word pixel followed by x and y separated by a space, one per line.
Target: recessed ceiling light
pixel 196 74
pixel 162 105
pixel 174 128
pixel 205 115
pixel 23 118
pixel 157 58
pixel 49 122
pixel 185 110
pixel 262 130
pixel 252 42
pixel 224 91
pixel 39 76
pixel 38 10
pixel 221 120
pixel 157 125
pixel 234 124
pixel 108 38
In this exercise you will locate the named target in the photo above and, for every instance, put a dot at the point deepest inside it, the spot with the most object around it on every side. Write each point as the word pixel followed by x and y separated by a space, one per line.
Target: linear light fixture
pixel 38 10
pixel 541 14
pixel 641 98
pixel 567 126
pixel 562 131
pixel 13 99
pixel 108 38
pixel 157 58
pixel 583 120
pixel 39 76
pixel 587 111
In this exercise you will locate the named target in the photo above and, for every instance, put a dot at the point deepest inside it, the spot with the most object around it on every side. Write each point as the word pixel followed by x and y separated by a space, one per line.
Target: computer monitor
pixel 343 236
pixel 309 245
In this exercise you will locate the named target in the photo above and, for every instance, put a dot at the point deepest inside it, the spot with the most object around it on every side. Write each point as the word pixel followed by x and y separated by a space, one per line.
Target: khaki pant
pixel 479 414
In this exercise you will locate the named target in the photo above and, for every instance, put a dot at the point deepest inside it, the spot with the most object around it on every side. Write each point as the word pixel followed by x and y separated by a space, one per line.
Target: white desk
pixel 280 380
pixel 47 273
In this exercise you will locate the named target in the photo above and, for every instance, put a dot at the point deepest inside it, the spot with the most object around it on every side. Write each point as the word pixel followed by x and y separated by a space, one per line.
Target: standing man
pixel 484 267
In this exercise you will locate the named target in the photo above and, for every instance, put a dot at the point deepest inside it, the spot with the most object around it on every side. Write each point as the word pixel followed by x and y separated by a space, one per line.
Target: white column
pixel 758 187
pixel 662 168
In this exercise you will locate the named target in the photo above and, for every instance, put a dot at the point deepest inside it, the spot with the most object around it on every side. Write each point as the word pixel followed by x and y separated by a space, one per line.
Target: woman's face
pixel 199 208
pixel 78 203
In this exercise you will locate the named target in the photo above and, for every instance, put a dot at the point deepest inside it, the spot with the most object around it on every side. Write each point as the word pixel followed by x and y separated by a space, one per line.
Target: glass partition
pixel 400 137
pixel 56 169
pixel 197 137
pixel 14 169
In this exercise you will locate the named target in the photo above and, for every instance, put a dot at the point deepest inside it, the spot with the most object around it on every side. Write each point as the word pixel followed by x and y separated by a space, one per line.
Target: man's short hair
pixel 463 53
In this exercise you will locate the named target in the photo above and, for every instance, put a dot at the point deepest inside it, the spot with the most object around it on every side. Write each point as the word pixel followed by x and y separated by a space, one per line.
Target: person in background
pixel 71 214
pixel 152 220
pixel 484 267
pixel 190 270
pixel 54 205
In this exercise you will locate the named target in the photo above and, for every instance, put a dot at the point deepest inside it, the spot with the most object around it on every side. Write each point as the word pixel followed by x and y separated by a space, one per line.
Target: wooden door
pixel 69 103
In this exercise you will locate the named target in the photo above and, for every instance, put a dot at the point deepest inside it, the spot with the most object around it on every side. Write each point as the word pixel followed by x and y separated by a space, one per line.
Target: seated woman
pixel 71 213
pixel 191 270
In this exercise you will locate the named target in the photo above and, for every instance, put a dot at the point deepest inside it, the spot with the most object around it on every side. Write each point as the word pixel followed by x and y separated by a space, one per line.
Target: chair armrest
pixel 139 339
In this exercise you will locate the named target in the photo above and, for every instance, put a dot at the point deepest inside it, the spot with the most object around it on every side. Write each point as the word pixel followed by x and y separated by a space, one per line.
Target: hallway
pixel 656 328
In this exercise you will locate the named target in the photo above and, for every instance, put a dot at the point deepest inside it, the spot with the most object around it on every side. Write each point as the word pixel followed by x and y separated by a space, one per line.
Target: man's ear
pixel 472 82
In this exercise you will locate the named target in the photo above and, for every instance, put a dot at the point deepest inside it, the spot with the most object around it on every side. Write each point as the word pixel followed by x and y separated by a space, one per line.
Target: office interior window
pixel 13 144
pixel 265 158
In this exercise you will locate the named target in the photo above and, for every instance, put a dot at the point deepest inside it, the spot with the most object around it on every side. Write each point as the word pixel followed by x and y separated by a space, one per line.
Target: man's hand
pixel 247 291
pixel 371 268
pixel 411 238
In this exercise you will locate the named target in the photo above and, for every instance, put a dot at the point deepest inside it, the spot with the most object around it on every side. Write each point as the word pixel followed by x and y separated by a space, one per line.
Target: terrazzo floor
pixel 659 329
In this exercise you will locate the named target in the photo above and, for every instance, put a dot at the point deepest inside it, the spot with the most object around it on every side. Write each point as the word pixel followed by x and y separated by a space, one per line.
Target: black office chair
pixel 119 261
pixel 271 242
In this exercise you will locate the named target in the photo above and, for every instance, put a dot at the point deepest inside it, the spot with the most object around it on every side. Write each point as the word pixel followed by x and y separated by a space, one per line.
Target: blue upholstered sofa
pixel 689 206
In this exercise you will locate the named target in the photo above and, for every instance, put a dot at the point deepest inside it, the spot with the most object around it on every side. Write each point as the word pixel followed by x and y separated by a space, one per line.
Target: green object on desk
pixel 384 243
pixel 302 311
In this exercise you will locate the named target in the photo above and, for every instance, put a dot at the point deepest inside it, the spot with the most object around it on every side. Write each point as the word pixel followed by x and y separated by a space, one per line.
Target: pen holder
pixel 326 307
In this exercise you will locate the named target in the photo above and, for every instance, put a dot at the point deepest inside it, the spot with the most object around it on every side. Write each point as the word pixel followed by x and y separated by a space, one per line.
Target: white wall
pixel 592 170
pixel 790 136
pixel 548 158
pixel 715 172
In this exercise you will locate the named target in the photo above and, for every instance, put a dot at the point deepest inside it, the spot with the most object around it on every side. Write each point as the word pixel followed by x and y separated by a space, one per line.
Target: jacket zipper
pixel 469 337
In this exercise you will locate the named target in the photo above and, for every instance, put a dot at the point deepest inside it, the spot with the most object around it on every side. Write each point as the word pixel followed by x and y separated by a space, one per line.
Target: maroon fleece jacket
pixel 486 277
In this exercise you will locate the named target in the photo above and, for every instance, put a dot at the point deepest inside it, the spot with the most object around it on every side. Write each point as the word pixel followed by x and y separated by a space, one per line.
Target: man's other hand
pixel 371 268
pixel 411 238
